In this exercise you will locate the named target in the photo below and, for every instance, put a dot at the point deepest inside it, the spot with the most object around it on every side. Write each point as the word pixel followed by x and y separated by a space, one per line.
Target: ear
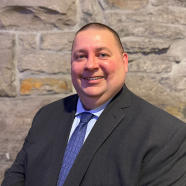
pixel 125 61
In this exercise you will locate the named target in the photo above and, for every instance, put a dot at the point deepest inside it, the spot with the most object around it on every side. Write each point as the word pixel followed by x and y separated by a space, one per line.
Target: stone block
pixel 146 87
pixel 27 41
pixel 162 15
pixel 61 21
pixel 57 41
pixel 123 4
pixel 177 50
pixel 177 3
pixel 151 64
pixel 7 87
pixel 47 63
pixel 114 18
pixel 68 20
pixel 174 111
pixel 144 45
pixel 150 88
pixel 91 12
pixel 178 110
pixel 57 5
pixel 7 41
pixel 88 6
pixel 21 18
pixel 33 17
pixel 36 24
pixel 150 30
pixel 176 81
pixel 16 17
pixel 43 86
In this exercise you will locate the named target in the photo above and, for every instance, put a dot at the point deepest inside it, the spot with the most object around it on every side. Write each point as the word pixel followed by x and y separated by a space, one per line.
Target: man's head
pixel 98 64
pixel 99 26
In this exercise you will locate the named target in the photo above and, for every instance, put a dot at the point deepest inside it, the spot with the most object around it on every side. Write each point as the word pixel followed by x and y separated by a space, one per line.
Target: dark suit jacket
pixel 132 144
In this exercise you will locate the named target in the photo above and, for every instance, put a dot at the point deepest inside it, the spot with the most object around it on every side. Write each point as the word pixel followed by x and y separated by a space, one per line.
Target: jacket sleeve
pixel 168 166
pixel 15 175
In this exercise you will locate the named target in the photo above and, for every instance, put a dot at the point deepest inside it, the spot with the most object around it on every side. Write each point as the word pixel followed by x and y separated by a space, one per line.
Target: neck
pixel 92 103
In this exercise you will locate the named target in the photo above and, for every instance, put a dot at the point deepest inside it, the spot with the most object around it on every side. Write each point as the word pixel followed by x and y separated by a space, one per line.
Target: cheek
pixel 74 75
pixel 110 68
pixel 75 69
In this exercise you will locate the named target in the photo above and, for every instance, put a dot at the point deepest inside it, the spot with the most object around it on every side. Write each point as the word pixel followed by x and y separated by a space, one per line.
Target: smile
pixel 93 78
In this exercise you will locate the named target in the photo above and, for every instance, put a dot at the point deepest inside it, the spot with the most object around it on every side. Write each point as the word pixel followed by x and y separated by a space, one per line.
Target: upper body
pixel 132 142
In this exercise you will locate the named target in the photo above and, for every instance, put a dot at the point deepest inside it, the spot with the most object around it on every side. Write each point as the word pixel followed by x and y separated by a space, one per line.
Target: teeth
pixel 94 78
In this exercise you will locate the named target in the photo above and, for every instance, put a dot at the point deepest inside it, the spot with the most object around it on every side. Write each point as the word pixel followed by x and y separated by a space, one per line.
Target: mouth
pixel 93 78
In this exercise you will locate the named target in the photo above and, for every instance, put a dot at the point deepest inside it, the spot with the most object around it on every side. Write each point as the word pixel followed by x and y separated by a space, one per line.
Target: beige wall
pixel 35 44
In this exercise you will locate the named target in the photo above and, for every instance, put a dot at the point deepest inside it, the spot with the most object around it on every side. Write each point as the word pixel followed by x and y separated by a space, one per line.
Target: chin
pixel 92 91
pixel 92 95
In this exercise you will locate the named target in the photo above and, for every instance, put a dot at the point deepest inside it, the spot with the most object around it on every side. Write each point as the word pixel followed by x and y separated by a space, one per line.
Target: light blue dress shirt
pixel 96 112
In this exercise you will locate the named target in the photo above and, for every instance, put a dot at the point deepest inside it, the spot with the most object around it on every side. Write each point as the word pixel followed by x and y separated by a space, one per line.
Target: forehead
pixel 95 38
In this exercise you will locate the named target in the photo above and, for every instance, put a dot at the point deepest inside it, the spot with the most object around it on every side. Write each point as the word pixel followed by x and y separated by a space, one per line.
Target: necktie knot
pixel 86 117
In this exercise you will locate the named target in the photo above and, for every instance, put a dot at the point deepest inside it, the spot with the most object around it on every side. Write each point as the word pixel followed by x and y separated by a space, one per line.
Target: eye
pixel 103 55
pixel 80 57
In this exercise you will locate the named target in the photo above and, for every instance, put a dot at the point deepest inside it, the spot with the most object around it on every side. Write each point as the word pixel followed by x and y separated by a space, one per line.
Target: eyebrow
pixel 97 50
pixel 78 51
pixel 103 48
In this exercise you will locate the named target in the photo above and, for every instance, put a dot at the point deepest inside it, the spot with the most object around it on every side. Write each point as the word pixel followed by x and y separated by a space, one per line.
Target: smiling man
pixel 98 67
pixel 104 135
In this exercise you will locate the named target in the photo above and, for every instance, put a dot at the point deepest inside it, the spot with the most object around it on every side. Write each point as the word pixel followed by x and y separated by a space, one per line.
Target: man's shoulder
pixel 62 103
pixel 67 104
pixel 153 124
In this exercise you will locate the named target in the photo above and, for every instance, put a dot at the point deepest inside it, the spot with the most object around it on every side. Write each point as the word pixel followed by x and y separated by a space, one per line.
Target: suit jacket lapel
pixel 106 123
pixel 65 119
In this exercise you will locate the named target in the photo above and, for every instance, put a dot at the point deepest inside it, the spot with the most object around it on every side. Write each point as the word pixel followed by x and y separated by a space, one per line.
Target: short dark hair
pixel 100 26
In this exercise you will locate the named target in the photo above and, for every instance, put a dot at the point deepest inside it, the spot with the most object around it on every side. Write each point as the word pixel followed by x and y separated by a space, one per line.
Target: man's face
pixel 98 67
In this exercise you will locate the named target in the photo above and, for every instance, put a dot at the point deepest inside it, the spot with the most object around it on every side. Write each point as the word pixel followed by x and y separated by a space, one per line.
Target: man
pixel 128 141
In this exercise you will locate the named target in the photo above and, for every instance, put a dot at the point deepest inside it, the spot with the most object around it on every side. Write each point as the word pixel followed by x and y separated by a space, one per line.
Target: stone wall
pixel 35 43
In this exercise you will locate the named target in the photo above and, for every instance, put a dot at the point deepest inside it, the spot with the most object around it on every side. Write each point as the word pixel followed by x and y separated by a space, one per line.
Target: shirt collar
pixel 97 111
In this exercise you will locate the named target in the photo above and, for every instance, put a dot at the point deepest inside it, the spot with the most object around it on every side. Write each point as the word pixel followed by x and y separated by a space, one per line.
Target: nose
pixel 91 63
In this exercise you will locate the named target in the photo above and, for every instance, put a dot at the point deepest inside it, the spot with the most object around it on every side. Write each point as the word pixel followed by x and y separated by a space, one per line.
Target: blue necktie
pixel 73 147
